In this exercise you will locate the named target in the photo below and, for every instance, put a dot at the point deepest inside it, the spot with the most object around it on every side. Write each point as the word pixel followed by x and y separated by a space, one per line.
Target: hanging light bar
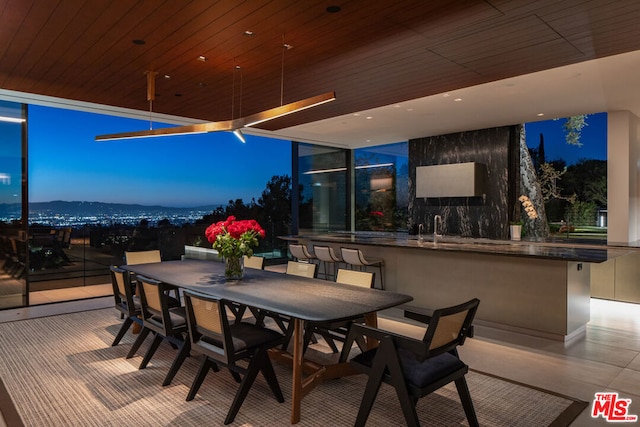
pixel 228 125
pixel 287 109
pixel 173 131
pixel 11 119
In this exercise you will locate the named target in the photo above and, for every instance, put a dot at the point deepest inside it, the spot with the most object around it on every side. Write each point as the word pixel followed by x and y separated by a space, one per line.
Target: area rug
pixel 62 371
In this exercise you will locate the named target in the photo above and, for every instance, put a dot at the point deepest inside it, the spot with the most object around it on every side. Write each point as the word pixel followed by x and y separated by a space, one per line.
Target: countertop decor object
pixel 515 231
pixel 233 239
pixel 528 207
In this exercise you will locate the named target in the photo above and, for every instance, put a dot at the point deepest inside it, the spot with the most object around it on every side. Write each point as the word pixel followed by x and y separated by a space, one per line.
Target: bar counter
pixel 535 288
pixel 548 249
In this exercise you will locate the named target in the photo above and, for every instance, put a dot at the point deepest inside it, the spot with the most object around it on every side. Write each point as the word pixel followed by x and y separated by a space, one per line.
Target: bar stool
pixel 327 255
pixel 355 258
pixel 301 253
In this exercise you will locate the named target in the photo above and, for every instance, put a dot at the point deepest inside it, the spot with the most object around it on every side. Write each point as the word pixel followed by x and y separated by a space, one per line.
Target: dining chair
pixel 224 343
pixel 301 269
pixel 356 258
pixel 364 279
pixel 125 302
pixel 414 367
pixel 254 261
pixel 337 331
pixel 327 256
pixel 166 322
pixel 142 257
pixel 300 252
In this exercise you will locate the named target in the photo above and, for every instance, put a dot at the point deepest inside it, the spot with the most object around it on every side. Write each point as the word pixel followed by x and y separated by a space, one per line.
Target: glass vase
pixel 233 268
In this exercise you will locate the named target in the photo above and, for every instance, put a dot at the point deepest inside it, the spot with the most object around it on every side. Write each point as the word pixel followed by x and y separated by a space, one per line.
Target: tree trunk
pixel 530 187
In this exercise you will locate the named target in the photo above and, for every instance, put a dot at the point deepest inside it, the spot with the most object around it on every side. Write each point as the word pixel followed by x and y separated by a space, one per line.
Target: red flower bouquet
pixel 233 238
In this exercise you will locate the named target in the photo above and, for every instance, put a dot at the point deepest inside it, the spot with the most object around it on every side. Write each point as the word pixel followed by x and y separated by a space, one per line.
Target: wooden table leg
pixel 296 393
pixel 371 319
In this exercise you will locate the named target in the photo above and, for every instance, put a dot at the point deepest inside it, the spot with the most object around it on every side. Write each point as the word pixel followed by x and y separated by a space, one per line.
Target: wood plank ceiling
pixel 371 53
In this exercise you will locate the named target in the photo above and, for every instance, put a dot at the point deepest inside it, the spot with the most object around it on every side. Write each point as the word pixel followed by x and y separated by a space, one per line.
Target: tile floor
pixel 607 358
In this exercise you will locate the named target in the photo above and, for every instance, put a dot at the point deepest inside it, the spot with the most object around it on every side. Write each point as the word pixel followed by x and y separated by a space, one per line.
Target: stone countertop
pixel 553 250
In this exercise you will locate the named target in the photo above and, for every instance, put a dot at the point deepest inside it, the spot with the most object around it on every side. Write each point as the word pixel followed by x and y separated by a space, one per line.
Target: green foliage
pixel 554 228
pixel 272 211
pixel 573 129
pixel 587 179
pixel 582 213
pixel 228 247
pixel 549 178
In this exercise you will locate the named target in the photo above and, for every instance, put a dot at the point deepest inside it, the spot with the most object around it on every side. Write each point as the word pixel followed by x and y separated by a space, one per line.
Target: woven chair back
pixel 363 279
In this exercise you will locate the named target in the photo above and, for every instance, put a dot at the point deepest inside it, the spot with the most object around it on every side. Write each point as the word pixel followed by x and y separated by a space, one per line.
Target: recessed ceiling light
pixel 446 95
pixel 333 9
pixel 356 114
pixel 249 33
pixel 409 109
pixel 177 94
pixel 458 99
pixel 202 58
pixel 167 76
pixel 369 117
pixel 139 42
pixel 540 114
pixel 287 46
pixel 397 105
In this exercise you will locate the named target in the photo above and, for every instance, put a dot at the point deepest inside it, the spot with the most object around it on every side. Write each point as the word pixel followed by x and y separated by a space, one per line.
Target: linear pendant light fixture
pixel 233 125
pixel 227 125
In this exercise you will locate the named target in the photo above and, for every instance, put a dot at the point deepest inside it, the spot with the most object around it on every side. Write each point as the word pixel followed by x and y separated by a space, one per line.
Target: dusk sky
pixel 594 139
pixel 65 163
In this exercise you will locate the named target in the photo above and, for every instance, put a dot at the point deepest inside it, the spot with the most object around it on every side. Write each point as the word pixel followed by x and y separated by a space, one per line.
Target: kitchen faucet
pixel 420 233
pixel 436 219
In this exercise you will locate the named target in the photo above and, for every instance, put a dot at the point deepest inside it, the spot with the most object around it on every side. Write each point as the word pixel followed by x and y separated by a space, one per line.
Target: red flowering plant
pixel 233 238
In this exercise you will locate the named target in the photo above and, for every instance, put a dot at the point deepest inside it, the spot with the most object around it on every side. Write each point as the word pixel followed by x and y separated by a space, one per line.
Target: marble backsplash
pixel 482 216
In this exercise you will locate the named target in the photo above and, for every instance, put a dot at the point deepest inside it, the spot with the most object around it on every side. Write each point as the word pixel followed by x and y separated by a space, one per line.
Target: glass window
pixel 322 179
pixel 570 159
pixel 13 284
pixel 382 188
pixel 92 201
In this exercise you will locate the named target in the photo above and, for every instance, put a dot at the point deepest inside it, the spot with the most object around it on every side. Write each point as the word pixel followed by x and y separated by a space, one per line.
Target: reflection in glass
pixel 381 188
pixel 323 188
pixel 13 285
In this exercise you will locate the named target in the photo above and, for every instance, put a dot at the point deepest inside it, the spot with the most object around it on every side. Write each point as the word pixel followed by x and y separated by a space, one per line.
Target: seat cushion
pixel 417 373
pixel 177 316
pixel 247 335
pixel 123 306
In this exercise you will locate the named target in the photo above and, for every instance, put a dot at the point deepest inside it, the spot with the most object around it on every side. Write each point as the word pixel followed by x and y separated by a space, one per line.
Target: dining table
pixel 300 298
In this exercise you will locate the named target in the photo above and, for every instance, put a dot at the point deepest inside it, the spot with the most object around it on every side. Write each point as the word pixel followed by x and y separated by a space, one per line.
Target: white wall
pixel 623 178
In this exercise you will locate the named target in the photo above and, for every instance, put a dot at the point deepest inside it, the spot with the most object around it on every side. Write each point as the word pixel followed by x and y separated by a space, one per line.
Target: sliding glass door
pixel 13 201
